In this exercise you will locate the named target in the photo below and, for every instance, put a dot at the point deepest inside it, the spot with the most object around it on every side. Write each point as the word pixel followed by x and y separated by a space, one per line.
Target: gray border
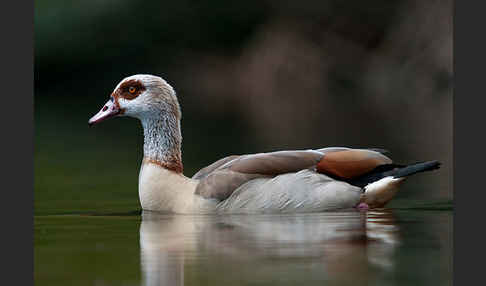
pixel 468 141
pixel 18 135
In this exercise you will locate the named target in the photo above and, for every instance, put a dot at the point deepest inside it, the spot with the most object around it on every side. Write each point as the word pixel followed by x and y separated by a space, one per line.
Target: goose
pixel 293 181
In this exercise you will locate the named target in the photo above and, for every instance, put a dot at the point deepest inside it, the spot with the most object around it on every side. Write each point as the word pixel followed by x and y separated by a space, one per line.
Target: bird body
pixel 283 181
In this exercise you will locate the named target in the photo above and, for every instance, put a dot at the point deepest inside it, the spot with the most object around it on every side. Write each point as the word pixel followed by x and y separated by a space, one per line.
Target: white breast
pixel 163 190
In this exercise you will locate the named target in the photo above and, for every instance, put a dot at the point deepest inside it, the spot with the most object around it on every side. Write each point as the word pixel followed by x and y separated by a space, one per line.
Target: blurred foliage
pixel 122 36
pixel 251 76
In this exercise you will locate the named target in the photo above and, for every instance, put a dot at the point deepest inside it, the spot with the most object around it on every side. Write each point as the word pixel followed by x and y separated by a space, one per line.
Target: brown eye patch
pixel 130 89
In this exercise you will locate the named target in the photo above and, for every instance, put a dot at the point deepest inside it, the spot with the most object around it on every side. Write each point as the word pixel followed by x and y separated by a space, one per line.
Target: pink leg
pixel 363 206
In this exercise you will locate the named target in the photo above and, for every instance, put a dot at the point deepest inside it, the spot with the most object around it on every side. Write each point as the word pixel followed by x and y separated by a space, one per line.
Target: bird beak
pixel 109 110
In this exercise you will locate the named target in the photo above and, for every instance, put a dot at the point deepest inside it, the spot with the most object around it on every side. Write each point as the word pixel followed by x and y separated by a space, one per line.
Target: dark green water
pixel 401 246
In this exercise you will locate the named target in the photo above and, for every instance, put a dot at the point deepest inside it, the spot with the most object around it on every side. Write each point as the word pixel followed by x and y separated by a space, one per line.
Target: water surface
pixel 400 246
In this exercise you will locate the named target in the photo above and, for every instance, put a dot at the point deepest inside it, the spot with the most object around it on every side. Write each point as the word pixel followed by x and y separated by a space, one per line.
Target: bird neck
pixel 162 142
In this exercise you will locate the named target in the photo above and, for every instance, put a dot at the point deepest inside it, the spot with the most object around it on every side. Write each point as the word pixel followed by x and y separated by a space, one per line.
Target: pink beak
pixel 109 110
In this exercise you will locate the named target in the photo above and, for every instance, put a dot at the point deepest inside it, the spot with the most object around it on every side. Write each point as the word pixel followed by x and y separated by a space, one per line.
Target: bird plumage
pixel 283 181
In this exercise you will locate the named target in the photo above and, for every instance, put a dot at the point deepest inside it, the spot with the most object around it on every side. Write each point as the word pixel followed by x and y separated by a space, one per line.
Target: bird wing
pixel 220 179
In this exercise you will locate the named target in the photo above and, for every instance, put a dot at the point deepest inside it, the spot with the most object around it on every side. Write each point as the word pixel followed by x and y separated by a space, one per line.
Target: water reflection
pixel 333 246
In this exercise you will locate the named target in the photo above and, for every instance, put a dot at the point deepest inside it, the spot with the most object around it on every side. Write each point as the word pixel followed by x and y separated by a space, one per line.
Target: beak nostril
pixel 107 111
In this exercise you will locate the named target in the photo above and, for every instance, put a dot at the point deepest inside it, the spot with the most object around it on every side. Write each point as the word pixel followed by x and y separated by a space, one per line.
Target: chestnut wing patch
pixel 352 163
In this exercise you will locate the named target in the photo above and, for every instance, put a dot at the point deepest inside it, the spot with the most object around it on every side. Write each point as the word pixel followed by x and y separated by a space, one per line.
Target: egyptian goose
pixel 284 181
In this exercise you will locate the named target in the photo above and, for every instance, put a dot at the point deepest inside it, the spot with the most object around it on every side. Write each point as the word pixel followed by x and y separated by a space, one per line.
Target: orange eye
pixel 132 89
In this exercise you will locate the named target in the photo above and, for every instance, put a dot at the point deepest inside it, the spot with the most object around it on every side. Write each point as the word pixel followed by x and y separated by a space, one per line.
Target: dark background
pixel 251 76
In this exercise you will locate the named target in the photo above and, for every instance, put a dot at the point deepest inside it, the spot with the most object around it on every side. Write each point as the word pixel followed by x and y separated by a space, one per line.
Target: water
pixel 399 246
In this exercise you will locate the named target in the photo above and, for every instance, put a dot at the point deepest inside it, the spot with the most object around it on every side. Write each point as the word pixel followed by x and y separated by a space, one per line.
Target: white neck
pixel 162 141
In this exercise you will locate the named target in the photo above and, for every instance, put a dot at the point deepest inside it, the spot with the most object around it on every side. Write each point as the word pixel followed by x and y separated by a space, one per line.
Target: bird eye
pixel 132 89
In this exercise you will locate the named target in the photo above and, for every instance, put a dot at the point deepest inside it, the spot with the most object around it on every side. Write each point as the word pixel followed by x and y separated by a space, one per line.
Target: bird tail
pixel 394 171
pixel 415 168
pixel 381 185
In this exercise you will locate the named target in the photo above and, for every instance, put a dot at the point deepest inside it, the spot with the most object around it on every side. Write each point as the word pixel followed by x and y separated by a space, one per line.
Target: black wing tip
pixel 436 163
pixel 417 168
pixel 429 165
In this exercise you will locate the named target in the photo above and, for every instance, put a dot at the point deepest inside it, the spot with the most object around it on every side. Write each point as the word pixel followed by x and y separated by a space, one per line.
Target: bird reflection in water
pixel 218 249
